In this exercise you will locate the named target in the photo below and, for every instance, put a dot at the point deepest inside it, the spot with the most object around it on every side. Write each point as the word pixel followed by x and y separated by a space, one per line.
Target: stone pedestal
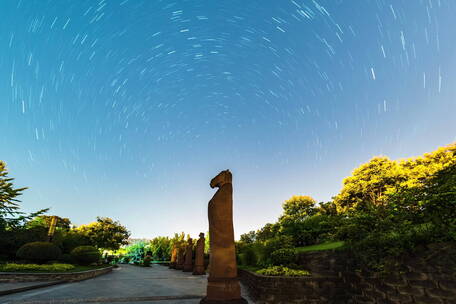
pixel 223 291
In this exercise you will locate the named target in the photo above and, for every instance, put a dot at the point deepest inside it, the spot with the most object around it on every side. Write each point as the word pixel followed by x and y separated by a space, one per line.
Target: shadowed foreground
pixel 124 285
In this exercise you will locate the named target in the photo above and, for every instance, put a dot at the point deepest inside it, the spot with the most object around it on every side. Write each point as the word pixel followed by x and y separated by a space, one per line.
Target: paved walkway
pixel 7 288
pixel 126 284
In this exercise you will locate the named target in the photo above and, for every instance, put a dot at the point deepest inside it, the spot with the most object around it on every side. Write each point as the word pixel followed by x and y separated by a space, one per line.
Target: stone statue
pixel 180 257
pixel 222 284
pixel 198 269
pixel 172 263
pixel 188 258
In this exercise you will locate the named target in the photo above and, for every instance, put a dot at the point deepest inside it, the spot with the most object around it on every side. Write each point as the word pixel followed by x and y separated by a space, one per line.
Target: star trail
pixel 127 108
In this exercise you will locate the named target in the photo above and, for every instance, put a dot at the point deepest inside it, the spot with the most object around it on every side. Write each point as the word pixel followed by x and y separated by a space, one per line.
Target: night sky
pixel 128 108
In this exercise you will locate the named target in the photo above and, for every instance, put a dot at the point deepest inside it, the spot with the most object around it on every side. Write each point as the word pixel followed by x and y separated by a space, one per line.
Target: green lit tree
pixel 105 233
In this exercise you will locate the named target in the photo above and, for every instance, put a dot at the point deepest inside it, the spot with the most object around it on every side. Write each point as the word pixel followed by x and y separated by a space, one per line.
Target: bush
pixel 72 239
pixel 66 258
pixel 282 271
pixel 39 252
pixel 35 267
pixel 283 257
pixel 271 245
pixel 85 255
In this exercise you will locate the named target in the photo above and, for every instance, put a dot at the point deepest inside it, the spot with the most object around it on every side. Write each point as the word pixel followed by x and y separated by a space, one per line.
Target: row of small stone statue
pixel 182 256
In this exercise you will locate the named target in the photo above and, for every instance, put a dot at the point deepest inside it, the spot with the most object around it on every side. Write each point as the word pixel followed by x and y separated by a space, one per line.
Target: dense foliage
pixel 45 221
pixel 283 257
pixel 18 228
pixel 39 252
pixel 105 233
pixel 384 209
pixel 85 255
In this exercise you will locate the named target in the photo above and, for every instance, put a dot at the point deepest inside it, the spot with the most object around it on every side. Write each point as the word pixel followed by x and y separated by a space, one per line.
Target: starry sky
pixel 127 108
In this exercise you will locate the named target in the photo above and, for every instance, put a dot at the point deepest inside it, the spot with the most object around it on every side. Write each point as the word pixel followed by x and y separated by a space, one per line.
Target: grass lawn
pixel 318 247
pixel 76 268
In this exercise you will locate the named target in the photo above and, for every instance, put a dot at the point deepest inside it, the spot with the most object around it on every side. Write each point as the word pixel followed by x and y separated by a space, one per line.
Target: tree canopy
pixel 105 233
pixel 375 182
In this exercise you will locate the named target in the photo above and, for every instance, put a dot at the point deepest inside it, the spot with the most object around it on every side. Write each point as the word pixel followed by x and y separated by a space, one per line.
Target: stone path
pixel 126 284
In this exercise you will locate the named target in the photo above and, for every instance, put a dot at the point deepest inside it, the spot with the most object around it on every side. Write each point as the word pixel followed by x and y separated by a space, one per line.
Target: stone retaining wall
pixel 285 290
pixel 425 278
pixel 69 277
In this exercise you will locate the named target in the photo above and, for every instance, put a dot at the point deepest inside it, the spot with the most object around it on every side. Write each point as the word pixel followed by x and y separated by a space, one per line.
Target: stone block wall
pixel 286 290
pixel 425 278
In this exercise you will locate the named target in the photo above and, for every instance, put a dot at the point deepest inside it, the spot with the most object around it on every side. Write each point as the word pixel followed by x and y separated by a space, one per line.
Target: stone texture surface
pixel 172 263
pixel 188 257
pixel 426 277
pixel 199 268
pixel 180 258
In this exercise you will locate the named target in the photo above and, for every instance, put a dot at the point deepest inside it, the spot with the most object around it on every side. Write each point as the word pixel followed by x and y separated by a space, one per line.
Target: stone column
pixel 180 258
pixel 222 284
pixel 188 258
pixel 198 269
pixel 172 263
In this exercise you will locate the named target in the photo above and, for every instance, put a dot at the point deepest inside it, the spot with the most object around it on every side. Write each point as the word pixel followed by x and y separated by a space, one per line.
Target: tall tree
pixel 8 194
pixel 298 207
pixel 9 207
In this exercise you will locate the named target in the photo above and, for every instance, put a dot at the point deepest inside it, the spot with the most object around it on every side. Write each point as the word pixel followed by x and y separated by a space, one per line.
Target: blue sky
pixel 128 108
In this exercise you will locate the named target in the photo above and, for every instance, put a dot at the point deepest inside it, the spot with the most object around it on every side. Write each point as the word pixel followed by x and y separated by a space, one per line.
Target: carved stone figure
pixel 180 257
pixel 222 284
pixel 198 269
pixel 188 258
pixel 172 263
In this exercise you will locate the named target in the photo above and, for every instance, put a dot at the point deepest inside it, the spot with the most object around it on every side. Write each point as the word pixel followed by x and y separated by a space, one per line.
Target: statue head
pixel 190 241
pixel 201 235
pixel 224 177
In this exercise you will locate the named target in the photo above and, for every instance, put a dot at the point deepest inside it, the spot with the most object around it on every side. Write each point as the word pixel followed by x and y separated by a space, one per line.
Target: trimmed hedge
pixel 85 255
pixel 35 267
pixel 39 252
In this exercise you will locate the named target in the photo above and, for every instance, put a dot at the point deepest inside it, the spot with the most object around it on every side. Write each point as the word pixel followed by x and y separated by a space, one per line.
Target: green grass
pixel 249 268
pixel 318 247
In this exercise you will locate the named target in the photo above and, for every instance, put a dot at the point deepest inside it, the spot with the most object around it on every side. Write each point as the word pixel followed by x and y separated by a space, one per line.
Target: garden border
pixel 13 277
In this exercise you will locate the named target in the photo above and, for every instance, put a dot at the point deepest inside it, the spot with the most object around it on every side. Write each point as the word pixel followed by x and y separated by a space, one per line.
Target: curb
pixel 94 273
pixel 21 289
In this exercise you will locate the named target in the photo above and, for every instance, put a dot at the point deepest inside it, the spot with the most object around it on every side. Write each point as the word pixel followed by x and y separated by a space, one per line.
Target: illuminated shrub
pixel 11 267
pixel 283 271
